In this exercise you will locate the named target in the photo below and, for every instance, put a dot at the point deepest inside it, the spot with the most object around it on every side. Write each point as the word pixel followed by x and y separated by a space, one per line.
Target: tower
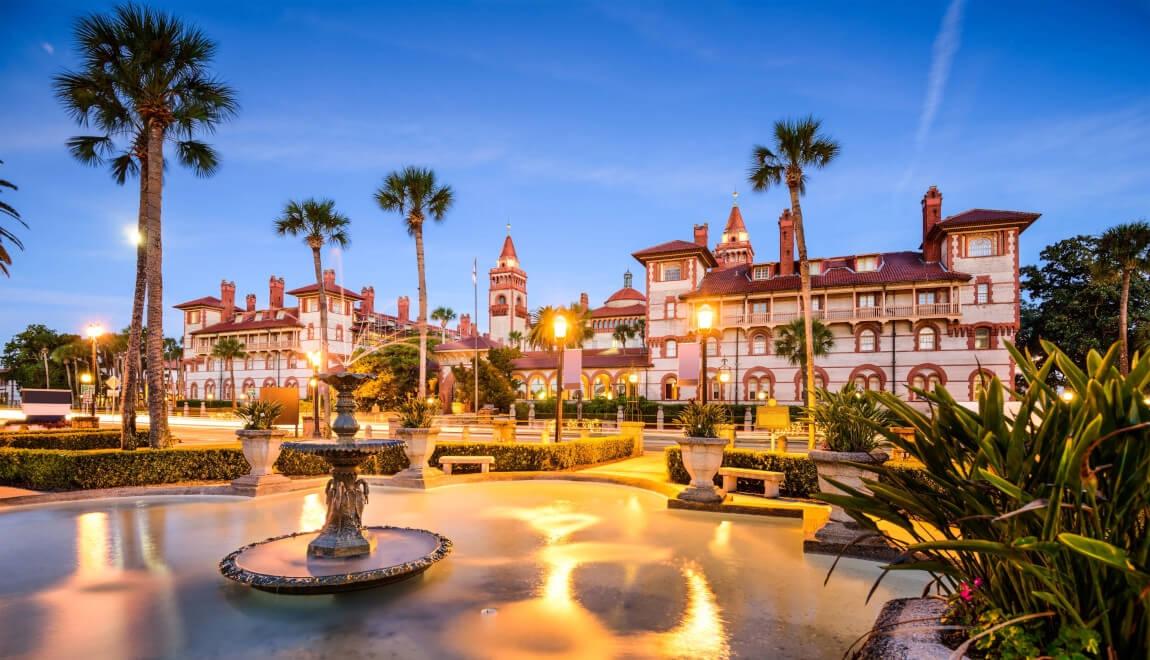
pixel 507 294
pixel 735 244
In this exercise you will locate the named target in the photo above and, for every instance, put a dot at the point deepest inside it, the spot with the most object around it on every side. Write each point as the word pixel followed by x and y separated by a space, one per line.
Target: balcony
pixel 901 312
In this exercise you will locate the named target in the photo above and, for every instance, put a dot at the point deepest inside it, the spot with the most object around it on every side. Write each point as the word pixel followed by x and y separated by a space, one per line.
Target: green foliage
pixel 1049 513
pixel 606 409
pixel 259 415
pixel 800 480
pixel 702 420
pixel 194 404
pixel 531 457
pixel 417 413
pixel 23 360
pixel 849 418
pixel 541 333
pixel 43 469
pixel 495 388
pixel 396 371
pixel 388 460
pixel 5 233
pixel 791 338
pixel 76 440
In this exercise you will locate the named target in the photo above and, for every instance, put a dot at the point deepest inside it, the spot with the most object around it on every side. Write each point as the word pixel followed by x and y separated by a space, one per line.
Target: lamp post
pixel 314 358
pixel 724 378
pixel 94 332
pixel 44 357
pixel 559 328
pixel 705 319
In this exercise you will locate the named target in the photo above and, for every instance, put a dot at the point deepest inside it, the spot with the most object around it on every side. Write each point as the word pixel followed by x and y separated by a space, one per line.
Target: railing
pixel 853 314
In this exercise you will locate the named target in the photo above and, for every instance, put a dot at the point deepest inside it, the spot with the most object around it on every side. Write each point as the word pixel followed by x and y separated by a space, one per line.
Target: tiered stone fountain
pixel 344 554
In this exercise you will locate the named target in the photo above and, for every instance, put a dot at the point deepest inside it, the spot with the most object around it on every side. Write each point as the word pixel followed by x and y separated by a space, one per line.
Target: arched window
pixel 671 349
pixel 980 247
pixel 339 332
pixel 927 339
pixel 868 341
pixel 536 385
pixel 671 389
pixel 924 378
pixel 311 331
pixel 979 382
pixel 759 344
pixel 210 389
pixel 759 388
pixel 600 386
pixel 981 338
pixel 501 299
pixel 194 391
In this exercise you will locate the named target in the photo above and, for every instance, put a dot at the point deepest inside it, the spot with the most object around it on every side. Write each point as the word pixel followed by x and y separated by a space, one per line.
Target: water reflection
pixel 702 634
pixel 313 513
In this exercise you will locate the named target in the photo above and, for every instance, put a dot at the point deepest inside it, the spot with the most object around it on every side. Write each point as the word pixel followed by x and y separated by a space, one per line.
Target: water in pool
pixel 539 570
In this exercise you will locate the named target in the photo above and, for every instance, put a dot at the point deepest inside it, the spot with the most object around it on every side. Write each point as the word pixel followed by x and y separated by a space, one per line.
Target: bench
pixel 771 480
pixel 484 462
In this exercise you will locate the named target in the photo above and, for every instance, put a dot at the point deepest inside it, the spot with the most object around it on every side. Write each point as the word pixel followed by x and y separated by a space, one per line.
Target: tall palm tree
pixel 1123 254
pixel 71 355
pixel 791 345
pixel 541 333
pixel 798 145
pixel 415 194
pixel 6 234
pixel 622 333
pixel 319 224
pixel 444 315
pixel 230 349
pixel 515 338
pixel 174 352
pixel 145 75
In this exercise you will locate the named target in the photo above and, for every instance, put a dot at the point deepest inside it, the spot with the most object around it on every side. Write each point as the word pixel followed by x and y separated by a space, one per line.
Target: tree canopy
pixel 24 362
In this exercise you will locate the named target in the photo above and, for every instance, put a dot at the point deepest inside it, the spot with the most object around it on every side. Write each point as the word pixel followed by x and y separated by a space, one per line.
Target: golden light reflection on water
pixel 91 544
pixel 311 516
pixel 702 633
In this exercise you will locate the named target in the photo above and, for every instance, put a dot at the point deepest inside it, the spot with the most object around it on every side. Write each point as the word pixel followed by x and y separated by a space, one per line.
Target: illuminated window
pixel 866 264
pixel 982 338
pixel 761 273
pixel 868 341
pixel 815 268
pixel 867 300
pixel 927 339
pixel 671 389
pixel 980 247
pixel 671 349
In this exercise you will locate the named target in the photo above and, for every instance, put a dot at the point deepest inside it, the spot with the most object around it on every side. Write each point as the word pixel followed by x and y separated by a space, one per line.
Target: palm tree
pixel 541 334
pixel 5 234
pixel 415 194
pixel 790 344
pixel 515 338
pixel 230 349
pixel 174 352
pixel 1123 253
pixel 444 315
pixel 319 224
pixel 798 145
pixel 623 332
pixel 145 78
pixel 71 354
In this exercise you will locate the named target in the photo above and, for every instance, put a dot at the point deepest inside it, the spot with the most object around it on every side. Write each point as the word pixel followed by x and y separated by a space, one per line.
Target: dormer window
pixel 866 264
pixel 671 272
pixel 816 267
pixel 761 272
pixel 980 247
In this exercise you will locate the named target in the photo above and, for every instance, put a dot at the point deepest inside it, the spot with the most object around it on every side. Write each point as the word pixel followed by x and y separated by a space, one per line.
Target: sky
pixel 594 129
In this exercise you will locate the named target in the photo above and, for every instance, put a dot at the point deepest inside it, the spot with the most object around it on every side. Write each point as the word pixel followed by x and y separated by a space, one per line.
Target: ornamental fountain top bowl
pixel 343 554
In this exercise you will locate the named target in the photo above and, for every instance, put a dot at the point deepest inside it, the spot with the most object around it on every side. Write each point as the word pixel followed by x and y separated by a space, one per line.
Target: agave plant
pixel 702 420
pixel 417 413
pixel 259 415
pixel 849 418
pixel 1041 538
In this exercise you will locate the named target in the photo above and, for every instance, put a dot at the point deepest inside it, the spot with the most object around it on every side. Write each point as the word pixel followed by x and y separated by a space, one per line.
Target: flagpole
pixel 475 324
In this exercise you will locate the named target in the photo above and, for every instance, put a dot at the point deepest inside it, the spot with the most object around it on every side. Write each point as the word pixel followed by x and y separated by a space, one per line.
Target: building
pixel 938 314
pixel 278 338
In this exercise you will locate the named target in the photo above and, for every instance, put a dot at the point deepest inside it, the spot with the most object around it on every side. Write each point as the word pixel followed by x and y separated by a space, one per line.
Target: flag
pixel 475 271
pixel 572 368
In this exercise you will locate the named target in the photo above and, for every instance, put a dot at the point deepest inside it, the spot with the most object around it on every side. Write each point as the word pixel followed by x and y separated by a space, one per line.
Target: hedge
pixel 77 440
pixel 529 457
pixel 607 409
pixel 800 480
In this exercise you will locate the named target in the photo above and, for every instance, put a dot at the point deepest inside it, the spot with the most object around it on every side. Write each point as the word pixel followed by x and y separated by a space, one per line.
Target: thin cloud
pixel 48 48
pixel 945 47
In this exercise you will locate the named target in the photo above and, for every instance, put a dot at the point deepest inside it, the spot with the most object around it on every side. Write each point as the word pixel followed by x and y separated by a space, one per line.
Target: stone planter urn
pixel 702 457
pixel 837 466
pixel 261 450
pixel 419 444
pixel 633 430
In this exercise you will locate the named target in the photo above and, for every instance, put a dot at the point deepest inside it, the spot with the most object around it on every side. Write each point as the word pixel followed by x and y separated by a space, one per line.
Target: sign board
pixel 772 418
pixel 289 398
pixel 112 382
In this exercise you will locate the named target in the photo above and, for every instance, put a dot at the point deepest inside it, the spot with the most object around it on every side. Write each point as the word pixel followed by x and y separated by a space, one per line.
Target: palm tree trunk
pixel 158 434
pixel 232 375
pixel 1124 356
pixel 68 373
pixel 805 289
pixel 132 374
pixel 316 259
pixel 422 310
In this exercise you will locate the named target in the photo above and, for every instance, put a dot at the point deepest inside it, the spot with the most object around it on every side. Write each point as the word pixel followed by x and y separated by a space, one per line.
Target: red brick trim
pixel 869 325
pixel 970 380
pixel 819 372
pixel 663 386
pixel 926 370
pixel 766 334
pixel 973 329
pixel 758 373
pixel 937 334
pixel 867 370
pixel 984 279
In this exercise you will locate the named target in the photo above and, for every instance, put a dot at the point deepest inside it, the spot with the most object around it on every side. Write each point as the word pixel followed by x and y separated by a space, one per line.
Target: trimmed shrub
pixel 529 457
pixel 74 440
pixel 800 480
pixel 606 409
pixel 388 460
pixel 47 469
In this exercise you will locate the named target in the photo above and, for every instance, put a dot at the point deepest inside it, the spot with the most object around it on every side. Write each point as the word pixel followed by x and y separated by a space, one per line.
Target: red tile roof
pixel 676 247
pixel 735 222
pixel 206 301
pixel 639 309
pixel 593 358
pixel 467 344
pixel 627 293
pixel 257 320
pixel 897 267
pixel 508 251
pixel 984 217
pixel 334 289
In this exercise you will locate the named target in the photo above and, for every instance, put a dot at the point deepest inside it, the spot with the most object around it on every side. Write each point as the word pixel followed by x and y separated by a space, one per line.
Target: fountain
pixel 344 554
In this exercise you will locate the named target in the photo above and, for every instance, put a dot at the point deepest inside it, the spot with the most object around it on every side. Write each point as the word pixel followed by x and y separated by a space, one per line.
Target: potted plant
pixel 261 445
pixel 415 418
pixel 849 419
pixel 702 449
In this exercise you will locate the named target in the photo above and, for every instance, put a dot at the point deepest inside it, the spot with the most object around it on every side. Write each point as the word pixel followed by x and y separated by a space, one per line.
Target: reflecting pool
pixel 540 570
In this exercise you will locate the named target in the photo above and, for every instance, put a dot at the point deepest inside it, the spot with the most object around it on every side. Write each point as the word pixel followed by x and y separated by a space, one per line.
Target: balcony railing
pixel 925 310
pixel 252 345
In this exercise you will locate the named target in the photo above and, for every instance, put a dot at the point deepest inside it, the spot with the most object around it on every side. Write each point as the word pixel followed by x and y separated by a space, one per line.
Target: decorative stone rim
pixel 416 432
pixel 708 442
pixel 260 433
pixel 827 456
pixel 282 584
pixel 323 446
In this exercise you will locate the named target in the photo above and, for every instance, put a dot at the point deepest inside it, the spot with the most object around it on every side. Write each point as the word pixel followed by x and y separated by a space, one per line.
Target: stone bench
pixel 771 480
pixel 484 462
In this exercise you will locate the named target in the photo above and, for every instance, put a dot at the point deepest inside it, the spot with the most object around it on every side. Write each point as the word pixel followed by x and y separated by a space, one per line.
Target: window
pixel 868 341
pixel 927 339
pixel 762 385
pixel 870 382
pixel 761 273
pixel 981 293
pixel 311 331
pixel 670 309
pixel 671 349
pixel 981 338
pixel 816 303
pixel 501 300
pixel 712 346
pixel 979 383
pixel 671 389
pixel 672 272
pixel 193 317
pixel 759 308
pixel 925 382
pixel 815 267
pixel 866 300
pixel 980 247
pixel 759 344
pixel 339 333
pixel 927 297
pixel 866 264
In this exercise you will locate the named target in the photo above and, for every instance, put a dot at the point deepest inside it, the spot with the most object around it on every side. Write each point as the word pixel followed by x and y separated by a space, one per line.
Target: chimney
pixel 931 216
pixel 584 301
pixel 329 280
pixel 276 293
pixel 404 305
pixel 251 300
pixel 464 325
pixel 786 243
pixel 367 305
pixel 701 235
pixel 228 299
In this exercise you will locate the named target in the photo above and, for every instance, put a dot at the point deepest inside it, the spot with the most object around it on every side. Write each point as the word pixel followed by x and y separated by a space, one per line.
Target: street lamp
pixel 559 329
pixel 94 332
pixel 724 377
pixel 704 321
pixel 314 358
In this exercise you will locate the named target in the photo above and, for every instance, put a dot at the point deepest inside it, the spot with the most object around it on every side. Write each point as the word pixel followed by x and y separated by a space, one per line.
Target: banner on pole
pixel 688 363
pixel 572 368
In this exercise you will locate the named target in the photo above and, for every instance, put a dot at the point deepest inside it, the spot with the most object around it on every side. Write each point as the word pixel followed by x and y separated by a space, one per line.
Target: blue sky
pixel 596 129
